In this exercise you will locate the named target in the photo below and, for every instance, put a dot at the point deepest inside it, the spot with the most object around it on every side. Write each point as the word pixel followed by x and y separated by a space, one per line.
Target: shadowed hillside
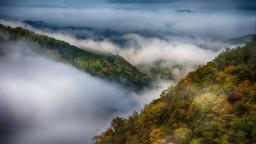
pixel 215 104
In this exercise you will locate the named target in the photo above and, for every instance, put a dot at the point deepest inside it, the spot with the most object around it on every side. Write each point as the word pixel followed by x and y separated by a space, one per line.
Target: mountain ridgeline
pixel 215 104
pixel 157 70
pixel 112 67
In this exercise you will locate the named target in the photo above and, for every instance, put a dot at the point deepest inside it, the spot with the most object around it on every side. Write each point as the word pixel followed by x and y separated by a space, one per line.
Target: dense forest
pixel 112 67
pixel 215 104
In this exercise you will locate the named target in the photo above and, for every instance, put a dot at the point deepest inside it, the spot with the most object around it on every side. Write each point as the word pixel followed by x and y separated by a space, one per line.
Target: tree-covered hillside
pixel 108 66
pixel 216 104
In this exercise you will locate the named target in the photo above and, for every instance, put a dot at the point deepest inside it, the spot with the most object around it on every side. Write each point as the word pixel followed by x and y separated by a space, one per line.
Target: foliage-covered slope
pixel 216 104
pixel 108 66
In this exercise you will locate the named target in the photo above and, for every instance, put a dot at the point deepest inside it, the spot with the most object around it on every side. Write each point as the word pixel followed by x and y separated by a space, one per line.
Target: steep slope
pixel 108 66
pixel 215 104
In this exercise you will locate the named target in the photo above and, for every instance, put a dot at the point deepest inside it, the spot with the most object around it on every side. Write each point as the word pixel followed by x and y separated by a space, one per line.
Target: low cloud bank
pixel 217 23
pixel 140 50
pixel 43 101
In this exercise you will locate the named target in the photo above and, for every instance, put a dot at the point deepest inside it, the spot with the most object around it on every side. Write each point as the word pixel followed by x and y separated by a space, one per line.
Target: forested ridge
pixel 215 104
pixel 112 67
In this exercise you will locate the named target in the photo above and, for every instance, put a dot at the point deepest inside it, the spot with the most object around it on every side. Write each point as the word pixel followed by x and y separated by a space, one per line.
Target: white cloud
pixel 145 50
pixel 51 102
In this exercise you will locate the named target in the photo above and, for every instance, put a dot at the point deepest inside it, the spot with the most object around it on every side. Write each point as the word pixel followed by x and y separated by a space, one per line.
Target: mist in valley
pixel 44 101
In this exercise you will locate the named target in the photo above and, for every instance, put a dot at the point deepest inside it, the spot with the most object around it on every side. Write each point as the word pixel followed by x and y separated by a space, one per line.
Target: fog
pixel 214 24
pixel 142 50
pixel 44 102
pixel 151 33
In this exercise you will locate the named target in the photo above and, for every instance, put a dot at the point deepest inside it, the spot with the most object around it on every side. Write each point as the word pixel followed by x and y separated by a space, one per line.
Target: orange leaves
pixel 155 137
pixel 190 109
pixel 238 92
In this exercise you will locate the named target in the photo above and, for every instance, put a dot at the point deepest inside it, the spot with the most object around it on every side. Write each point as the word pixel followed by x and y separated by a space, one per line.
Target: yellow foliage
pixel 182 135
pixel 155 137
pixel 158 107
pixel 210 102
pixel 195 141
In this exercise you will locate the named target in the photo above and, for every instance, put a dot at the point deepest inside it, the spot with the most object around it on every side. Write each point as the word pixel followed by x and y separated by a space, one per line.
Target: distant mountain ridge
pixel 84 32
pixel 112 67
pixel 242 39
pixel 154 70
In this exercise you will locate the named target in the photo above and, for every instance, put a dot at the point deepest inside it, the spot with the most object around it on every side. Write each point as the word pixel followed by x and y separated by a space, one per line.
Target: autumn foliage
pixel 216 104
